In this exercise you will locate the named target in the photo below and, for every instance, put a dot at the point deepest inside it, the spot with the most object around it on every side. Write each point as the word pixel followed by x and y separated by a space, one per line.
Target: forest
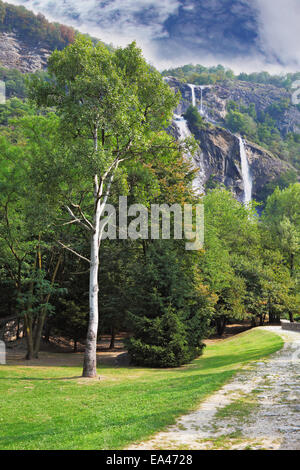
pixel 34 27
pixel 94 129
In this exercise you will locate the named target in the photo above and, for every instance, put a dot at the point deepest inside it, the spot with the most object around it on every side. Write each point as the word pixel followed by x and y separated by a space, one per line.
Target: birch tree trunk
pixel 90 355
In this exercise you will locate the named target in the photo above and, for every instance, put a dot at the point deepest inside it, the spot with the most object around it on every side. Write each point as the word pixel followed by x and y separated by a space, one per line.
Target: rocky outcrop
pixel 18 54
pixel 222 164
pixel 219 159
pixel 215 98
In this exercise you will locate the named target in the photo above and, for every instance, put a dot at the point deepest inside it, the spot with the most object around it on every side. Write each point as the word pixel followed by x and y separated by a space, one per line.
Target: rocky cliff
pixel 222 163
pixel 219 159
pixel 215 98
pixel 23 55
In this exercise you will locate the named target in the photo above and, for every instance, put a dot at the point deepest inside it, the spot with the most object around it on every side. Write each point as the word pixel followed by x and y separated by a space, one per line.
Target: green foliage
pixel 194 119
pixel 14 108
pixel 70 321
pixel 33 27
pixel 169 309
pixel 276 110
pixel 240 123
pixel 160 342
pixel 264 129
pixel 14 82
pixel 106 103
pixel 282 182
pixel 200 75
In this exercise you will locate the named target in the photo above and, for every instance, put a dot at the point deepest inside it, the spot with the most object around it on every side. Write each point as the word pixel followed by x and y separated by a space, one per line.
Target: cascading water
pixel 184 133
pixel 192 87
pixel 182 127
pixel 247 180
pixel 201 104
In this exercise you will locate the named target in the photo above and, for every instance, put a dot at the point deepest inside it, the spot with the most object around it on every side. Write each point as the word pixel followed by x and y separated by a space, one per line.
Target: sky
pixel 245 35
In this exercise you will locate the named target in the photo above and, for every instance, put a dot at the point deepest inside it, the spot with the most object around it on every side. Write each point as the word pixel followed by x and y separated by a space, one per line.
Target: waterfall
pixel 184 132
pixel 247 181
pixel 182 127
pixel 194 103
pixel 192 87
pixel 201 105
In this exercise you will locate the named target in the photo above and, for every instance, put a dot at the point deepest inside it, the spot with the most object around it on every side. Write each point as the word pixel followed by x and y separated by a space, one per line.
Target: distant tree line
pixel 201 75
pixel 34 27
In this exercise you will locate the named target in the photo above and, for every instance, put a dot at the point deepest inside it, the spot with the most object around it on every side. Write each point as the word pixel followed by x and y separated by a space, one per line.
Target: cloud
pixel 279 30
pixel 246 35
pixel 114 20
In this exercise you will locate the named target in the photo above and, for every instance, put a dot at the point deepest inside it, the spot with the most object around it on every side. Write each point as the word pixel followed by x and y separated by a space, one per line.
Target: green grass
pixel 240 409
pixel 49 408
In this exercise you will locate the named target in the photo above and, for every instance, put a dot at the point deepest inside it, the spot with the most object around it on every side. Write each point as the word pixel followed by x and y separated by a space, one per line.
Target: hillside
pixel 27 40
pixel 257 106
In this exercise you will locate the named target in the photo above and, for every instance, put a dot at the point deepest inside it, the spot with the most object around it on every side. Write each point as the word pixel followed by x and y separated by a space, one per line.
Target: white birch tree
pixel 112 106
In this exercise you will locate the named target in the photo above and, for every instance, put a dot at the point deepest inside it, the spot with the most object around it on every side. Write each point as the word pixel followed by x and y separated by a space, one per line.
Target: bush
pixel 170 308
pixel 194 119
pixel 161 342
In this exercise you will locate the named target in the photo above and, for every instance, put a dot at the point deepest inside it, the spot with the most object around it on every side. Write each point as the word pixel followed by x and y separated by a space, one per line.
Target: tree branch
pixel 75 219
pixel 73 251
pixel 88 223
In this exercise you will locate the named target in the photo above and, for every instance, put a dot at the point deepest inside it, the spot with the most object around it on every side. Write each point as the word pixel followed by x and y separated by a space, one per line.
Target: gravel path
pixel 258 409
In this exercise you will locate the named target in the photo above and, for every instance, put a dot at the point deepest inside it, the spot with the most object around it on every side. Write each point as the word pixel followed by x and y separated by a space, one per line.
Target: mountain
pixel 219 155
pixel 216 97
pixel 27 40
pixel 262 112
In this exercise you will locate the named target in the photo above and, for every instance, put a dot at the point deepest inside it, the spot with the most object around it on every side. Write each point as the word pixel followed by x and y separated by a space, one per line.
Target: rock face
pixel 219 158
pixel 222 162
pixel 215 98
pixel 18 54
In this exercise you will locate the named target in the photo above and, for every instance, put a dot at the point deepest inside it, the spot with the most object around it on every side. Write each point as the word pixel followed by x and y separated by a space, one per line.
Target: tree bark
pixel 29 320
pixel 18 329
pixel 221 324
pixel 291 315
pixel 29 340
pixel 90 354
pixel 113 337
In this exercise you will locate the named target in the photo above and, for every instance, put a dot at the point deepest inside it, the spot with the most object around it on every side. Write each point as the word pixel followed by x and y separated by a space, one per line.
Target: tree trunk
pixel 42 316
pixel 29 340
pixel 75 346
pixel 221 324
pixel 18 329
pixel 47 333
pixel 113 337
pixel 90 354
pixel 291 315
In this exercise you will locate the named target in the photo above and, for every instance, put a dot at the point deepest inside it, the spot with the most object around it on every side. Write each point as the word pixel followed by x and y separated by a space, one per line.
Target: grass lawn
pixel 51 408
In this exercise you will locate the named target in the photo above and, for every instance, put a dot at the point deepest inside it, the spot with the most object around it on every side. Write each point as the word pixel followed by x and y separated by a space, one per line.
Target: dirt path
pixel 258 409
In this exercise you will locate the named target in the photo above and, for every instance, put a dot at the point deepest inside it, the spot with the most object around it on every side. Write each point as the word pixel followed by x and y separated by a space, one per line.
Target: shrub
pixel 161 342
